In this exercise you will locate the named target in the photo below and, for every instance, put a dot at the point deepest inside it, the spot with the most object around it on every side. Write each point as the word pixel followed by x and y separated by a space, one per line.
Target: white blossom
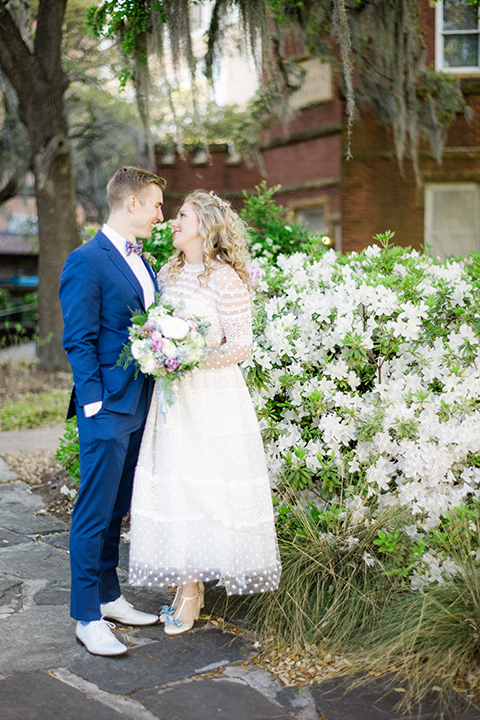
pixel 401 422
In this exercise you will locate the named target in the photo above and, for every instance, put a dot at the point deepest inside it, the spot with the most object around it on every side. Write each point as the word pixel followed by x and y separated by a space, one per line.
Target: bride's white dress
pixel 201 506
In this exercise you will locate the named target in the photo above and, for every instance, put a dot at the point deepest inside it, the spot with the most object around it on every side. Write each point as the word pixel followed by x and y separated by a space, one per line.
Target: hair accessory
pixel 222 203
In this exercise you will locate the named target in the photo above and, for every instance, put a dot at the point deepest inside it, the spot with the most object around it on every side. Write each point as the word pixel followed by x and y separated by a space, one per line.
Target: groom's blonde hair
pixel 130 181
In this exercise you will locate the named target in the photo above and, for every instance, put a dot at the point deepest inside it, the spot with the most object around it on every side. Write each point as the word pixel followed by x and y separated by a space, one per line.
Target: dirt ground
pixel 20 378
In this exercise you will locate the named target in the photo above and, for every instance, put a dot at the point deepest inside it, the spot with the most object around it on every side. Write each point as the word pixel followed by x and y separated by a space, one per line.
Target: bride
pixel 201 506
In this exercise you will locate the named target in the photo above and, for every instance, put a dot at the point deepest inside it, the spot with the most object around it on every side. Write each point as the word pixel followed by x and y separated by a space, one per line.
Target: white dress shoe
pixel 121 611
pixel 99 639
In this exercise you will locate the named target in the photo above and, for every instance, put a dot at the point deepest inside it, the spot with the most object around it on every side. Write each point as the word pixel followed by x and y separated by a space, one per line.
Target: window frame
pixel 430 188
pixel 439 44
pixel 298 206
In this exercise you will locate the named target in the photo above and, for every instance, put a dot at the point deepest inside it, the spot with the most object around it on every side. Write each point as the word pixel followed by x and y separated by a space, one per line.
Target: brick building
pixel 306 160
pixel 353 201
pixel 18 244
pixel 349 201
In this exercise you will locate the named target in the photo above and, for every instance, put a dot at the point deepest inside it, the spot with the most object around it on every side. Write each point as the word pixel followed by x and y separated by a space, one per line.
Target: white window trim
pixel 439 44
pixel 428 218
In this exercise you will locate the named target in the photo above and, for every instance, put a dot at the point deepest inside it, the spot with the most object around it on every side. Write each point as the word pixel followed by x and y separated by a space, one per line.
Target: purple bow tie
pixel 135 247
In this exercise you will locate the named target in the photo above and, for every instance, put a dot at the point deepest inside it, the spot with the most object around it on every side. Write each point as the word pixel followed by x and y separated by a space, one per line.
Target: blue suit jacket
pixel 98 292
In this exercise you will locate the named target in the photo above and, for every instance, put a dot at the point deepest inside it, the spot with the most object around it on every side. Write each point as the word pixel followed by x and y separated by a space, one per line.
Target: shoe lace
pixel 109 624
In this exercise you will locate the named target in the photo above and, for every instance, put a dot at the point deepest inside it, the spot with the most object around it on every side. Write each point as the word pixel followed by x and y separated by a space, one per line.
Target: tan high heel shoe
pixel 168 610
pixel 177 626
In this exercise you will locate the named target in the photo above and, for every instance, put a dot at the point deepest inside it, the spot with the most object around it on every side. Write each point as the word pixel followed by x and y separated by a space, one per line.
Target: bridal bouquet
pixel 165 342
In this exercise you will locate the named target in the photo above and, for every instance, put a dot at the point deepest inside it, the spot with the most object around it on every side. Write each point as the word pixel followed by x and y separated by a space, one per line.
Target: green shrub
pixel 68 454
pixel 160 244
pixel 272 229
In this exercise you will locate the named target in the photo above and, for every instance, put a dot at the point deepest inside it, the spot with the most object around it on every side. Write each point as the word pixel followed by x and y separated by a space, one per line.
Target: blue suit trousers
pixel 109 447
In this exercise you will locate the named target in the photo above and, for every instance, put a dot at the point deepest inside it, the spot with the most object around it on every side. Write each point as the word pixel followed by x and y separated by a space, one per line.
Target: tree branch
pixel 48 39
pixel 10 189
pixel 16 60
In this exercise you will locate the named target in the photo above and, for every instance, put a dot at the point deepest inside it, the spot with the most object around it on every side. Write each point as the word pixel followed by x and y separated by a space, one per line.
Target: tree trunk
pixel 40 83
pixel 57 235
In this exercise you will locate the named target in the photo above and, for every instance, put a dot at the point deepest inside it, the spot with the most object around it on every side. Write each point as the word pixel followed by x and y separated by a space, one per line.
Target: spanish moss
pixel 377 44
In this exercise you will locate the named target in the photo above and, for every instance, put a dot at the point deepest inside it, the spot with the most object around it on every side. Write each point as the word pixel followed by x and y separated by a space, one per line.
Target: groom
pixel 101 283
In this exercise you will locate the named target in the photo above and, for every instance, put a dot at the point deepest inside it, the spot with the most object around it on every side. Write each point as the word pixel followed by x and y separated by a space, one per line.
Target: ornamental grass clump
pixel 433 637
pixel 332 588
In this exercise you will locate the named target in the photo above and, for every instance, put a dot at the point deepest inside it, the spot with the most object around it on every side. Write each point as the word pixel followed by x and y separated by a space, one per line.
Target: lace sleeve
pixel 235 313
pixel 162 276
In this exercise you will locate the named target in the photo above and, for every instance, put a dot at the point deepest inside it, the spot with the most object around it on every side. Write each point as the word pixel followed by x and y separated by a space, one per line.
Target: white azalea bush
pixel 366 378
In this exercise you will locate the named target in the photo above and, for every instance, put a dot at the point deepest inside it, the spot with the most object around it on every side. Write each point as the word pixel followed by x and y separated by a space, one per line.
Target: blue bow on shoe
pixel 170 621
pixel 167 610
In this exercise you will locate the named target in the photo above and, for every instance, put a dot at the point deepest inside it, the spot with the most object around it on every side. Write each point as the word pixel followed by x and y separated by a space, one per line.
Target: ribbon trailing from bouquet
pixel 165 396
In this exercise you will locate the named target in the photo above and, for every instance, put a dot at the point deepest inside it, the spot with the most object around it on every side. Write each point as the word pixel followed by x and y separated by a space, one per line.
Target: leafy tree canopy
pixel 104 128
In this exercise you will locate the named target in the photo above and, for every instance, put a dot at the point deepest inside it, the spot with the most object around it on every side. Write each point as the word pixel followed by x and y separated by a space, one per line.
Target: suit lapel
pixel 121 264
pixel 152 274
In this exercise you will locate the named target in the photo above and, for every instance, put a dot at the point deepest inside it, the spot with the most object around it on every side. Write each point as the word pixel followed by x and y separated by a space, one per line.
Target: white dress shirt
pixel 136 264
pixel 144 278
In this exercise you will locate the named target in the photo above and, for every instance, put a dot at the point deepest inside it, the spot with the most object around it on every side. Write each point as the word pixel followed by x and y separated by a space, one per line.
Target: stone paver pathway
pixel 201 675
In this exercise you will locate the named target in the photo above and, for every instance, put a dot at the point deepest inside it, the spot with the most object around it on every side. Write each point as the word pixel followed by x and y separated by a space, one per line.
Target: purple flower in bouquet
pixel 157 340
pixel 171 364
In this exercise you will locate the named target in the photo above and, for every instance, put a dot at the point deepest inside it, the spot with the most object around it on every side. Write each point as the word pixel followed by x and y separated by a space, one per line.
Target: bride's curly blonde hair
pixel 225 236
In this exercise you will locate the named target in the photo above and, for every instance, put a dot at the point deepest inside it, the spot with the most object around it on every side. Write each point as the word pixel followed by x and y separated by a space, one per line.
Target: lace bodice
pixel 223 301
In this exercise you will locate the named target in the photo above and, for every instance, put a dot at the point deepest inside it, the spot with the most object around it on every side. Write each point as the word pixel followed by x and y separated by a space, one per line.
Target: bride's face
pixel 186 236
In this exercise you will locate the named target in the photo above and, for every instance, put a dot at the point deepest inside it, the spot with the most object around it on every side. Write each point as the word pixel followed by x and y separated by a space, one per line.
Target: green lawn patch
pixel 36 410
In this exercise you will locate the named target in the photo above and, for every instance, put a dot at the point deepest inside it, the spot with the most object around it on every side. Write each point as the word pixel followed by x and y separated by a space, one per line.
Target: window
pixel 452 218
pixel 313 218
pixel 457 36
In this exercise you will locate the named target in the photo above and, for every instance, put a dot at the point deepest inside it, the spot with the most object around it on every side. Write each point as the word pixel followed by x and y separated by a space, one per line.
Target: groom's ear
pixel 131 203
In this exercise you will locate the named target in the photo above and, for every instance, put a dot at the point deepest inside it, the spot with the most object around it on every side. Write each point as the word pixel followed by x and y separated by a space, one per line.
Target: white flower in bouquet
pixel 147 365
pixel 174 328
pixel 165 342
pixel 197 354
pixel 137 349
pixel 168 348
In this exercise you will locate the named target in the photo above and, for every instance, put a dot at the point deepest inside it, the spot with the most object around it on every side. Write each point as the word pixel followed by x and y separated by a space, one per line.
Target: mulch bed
pixel 42 471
